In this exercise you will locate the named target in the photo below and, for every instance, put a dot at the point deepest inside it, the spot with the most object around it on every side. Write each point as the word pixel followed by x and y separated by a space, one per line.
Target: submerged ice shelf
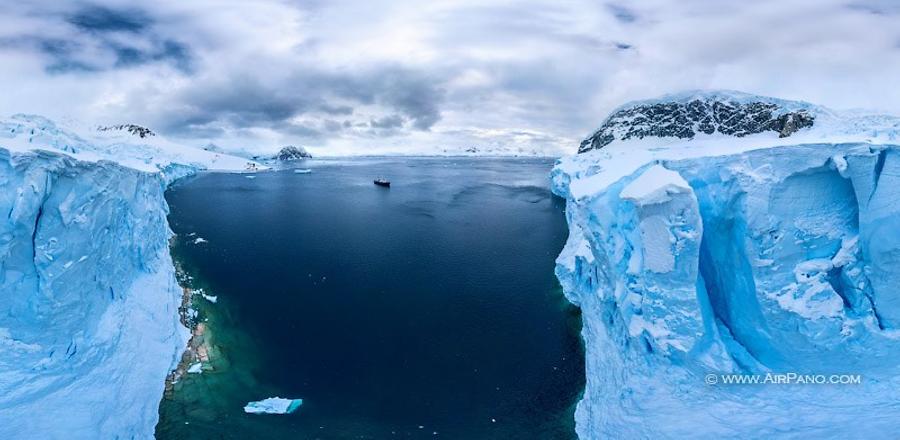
pixel 89 325
pixel 709 254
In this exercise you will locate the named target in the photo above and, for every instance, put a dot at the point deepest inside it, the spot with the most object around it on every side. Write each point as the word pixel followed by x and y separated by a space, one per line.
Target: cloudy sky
pixel 376 76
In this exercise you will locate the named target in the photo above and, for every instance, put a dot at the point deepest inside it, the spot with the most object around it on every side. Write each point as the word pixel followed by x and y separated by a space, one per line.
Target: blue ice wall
pixel 88 300
pixel 773 261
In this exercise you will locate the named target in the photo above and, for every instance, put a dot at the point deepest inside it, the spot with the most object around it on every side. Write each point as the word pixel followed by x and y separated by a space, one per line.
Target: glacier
pixel 89 322
pixel 711 235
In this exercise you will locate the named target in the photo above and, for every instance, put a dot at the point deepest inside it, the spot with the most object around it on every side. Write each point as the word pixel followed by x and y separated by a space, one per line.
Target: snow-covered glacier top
pixel 708 123
pixel 126 144
pixel 759 245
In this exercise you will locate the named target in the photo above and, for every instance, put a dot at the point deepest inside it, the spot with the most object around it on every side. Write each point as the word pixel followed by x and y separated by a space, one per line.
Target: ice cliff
pixel 708 243
pixel 89 323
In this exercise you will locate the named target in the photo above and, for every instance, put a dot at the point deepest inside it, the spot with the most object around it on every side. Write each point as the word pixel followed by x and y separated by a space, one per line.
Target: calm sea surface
pixel 427 310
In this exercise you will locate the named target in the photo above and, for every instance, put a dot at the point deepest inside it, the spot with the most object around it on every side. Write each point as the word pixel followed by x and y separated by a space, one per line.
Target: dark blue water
pixel 430 307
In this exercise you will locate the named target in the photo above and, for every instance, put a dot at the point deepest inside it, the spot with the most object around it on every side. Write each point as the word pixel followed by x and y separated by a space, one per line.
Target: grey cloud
pixel 100 19
pixel 416 97
pixel 391 121
pixel 95 38
pixel 243 101
pixel 301 130
pixel 621 13
pixel 332 125
pixel 876 7
pixel 344 72
pixel 336 109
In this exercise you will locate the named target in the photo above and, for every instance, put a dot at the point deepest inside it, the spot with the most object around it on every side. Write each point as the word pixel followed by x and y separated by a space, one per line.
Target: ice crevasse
pixel 719 233
pixel 89 323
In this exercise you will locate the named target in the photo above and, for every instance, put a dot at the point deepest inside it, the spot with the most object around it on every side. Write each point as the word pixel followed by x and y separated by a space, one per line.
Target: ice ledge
pixel 655 185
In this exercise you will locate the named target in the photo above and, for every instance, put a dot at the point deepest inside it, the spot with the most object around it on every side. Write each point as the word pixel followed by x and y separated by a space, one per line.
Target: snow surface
pixel 24 133
pixel 273 405
pixel 655 185
pixel 89 324
pixel 737 255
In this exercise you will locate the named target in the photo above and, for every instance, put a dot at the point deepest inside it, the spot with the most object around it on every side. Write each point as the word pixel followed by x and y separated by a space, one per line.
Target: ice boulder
pixel 273 405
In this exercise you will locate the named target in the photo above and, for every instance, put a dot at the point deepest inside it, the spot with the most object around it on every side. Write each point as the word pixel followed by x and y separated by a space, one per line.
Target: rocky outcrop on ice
pixel 135 130
pixel 291 153
pixel 89 323
pixel 687 115
pixel 737 253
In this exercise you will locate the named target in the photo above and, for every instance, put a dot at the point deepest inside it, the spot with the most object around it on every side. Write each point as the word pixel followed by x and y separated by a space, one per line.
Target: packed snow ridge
pixel 744 253
pixel 89 323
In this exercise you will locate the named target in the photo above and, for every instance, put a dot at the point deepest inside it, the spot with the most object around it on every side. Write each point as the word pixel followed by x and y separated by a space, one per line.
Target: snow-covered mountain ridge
pixel 129 145
pixel 89 323
pixel 703 113
pixel 746 253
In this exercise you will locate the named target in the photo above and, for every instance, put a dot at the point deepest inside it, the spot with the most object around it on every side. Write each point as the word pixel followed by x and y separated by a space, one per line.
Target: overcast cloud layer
pixel 401 76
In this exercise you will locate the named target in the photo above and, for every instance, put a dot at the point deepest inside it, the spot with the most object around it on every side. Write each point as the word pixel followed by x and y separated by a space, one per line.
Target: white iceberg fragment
pixel 195 368
pixel 200 240
pixel 302 171
pixel 273 405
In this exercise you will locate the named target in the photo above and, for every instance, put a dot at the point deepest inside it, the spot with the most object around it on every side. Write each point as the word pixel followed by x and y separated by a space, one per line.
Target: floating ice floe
pixel 211 298
pixel 200 240
pixel 302 171
pixel 195 368
pixel 273 405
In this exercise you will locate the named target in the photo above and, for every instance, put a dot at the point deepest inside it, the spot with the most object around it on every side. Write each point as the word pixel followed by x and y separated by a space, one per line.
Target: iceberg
pixel 89 326
pixel 273 405
pixel 719 236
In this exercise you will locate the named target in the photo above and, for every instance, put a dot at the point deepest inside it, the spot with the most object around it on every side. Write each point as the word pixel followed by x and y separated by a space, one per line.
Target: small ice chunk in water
pixel 273 405
pixel 195 368
pixel 302 171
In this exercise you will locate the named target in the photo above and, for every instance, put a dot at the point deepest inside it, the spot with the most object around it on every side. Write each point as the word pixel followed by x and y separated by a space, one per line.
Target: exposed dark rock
pixel 684 120
pixel 135 130
pixel 292 153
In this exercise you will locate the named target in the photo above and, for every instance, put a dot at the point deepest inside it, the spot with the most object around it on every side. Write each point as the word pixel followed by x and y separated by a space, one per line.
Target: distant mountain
pixel 136 130
pixel 694 113
pixel 291 152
